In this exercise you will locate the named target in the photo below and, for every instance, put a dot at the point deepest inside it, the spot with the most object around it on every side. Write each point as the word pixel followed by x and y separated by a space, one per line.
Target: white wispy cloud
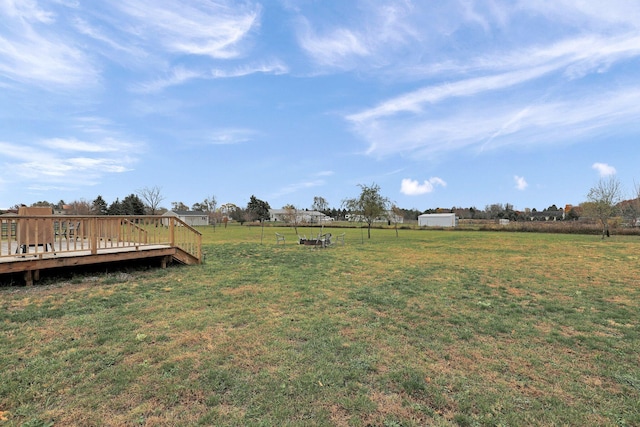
pixel 408 124
pixel 573 57
pixel 335 48
pixel 295 187
pixel 205 28
pixel 181 75
pixel 273 67
pixel 32 166
pixel 106 145
pixel 230 136
pixel 177 76
pixel 27 10
pixel 33 52
pixel 604 169
pixel 501 123
pixel 414 102
pixel 116 47
pixel 589 14
pixel 521 183
pixel 494 96
pixel 412 187
pixel 346 42
pixel 69 162
pixel 48 46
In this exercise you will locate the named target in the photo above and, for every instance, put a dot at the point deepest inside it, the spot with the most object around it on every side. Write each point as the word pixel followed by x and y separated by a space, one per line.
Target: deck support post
pixel 31 276
pixel 165 261
pixel 28 277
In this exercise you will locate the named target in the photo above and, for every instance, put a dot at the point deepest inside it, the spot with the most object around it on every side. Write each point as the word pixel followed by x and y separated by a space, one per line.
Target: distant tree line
pixel 604 201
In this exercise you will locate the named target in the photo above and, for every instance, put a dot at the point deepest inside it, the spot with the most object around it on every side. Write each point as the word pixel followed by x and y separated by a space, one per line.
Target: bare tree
pixel 211 203
pixel 320 204
pixel 631 209
pixel 602 202
pixel 80 207
pixel 227 211
pixel 397 213
pixel 636 205
pixel 291 216
pixel 208 206
pixel 152 197
pixel 179 206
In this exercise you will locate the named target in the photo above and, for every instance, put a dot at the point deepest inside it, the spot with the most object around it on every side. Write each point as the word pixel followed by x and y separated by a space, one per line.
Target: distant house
pixel 394 218
pixel 438 220
pixel 389 217
pixel 287 215
pixel 191 218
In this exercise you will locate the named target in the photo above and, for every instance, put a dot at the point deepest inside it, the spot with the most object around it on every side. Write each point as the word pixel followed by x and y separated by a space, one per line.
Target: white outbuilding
pixel 189 217
pixel 438 220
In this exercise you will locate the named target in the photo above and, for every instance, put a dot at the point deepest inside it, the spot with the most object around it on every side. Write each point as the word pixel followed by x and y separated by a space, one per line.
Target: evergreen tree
pixel 99 206
pixel 132 205
pixel 258 209
pixel 115 208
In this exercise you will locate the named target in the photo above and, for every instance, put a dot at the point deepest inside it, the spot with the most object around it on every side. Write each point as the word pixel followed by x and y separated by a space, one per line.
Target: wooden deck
pixel 29 244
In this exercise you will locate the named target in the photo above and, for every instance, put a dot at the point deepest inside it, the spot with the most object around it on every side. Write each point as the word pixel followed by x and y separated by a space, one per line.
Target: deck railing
pixel 60 234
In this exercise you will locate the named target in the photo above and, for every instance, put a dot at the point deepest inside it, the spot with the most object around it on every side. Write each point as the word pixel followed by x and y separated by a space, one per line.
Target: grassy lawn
pixel 431 328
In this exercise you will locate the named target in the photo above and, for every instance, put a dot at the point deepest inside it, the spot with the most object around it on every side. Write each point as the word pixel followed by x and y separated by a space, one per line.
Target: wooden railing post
pixel 199 247
pixel 172 232
pixel 93 235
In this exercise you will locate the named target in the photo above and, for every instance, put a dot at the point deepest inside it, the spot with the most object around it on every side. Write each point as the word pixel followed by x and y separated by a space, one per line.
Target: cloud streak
pixel 364 43
pixel 32 52
pixel 492 115
pixel 298 186
pixel 69 162
pixel 209 29
pixel 230 136
pixel 61 47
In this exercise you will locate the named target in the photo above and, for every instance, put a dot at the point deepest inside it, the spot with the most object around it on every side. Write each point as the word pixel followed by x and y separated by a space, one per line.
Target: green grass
pixel 431 328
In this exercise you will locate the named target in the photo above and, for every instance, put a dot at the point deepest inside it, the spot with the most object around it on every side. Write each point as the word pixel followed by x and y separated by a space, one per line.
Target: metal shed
pixel 438 220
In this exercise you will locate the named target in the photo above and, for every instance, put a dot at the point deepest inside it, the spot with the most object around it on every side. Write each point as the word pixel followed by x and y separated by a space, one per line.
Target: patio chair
pixel 59 229
pixel 279 238
pixel 74 230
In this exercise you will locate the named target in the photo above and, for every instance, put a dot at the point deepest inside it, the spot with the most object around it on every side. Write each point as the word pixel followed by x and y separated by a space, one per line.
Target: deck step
pixel 185 257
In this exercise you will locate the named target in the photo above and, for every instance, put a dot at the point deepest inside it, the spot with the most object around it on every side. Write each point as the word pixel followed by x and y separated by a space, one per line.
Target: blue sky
pixel 441 104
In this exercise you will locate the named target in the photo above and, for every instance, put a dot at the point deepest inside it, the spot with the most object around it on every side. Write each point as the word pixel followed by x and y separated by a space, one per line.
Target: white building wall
pixel 195 220
pixel 438 220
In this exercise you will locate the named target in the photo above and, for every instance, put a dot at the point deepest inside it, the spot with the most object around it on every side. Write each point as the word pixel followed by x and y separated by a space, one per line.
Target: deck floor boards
pixel 66 248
